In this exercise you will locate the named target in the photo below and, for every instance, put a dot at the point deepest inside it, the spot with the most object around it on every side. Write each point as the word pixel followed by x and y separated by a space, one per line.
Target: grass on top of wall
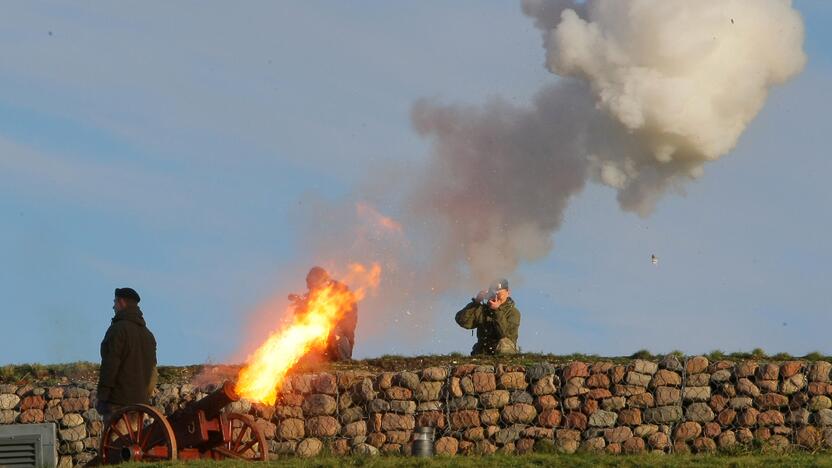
pixel 52 374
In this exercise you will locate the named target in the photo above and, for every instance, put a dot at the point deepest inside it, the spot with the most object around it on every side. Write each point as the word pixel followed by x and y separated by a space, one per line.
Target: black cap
pixel 128 293
pixel 499 284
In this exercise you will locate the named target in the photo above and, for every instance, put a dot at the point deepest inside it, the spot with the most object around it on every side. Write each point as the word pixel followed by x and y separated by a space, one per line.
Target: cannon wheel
pixel 246 441
pixel 137 433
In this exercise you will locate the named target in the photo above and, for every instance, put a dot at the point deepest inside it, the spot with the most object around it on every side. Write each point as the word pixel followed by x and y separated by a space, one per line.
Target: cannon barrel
pixel 211 405
pixel 214 402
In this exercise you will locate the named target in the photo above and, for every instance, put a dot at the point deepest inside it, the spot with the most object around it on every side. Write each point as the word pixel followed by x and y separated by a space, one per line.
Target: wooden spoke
pixel 126 419
pixel 139 426
pixel 116 430
pixel 247 446
pixel 151 439
pixel 240 433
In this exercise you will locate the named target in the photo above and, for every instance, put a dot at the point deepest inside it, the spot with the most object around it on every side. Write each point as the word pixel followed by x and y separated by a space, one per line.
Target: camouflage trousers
pixel 504 346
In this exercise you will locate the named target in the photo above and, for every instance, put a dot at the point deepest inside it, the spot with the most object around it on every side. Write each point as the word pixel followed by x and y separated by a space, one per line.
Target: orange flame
pixel 374 216
pixel 266 369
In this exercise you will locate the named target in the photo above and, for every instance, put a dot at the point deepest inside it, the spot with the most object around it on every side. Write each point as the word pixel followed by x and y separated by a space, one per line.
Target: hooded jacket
pixel 491 325
pixel 128 360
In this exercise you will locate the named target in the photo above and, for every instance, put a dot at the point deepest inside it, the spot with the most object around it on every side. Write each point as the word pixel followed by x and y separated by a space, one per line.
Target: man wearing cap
pixel 342 337
pixel 495 316
pixel 128 357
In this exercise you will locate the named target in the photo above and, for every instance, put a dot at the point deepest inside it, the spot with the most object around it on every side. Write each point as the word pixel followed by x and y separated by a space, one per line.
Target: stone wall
pixel 672 406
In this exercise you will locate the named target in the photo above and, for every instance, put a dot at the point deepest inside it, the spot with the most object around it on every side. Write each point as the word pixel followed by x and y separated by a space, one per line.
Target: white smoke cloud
pixel 683 78
pixel 650 90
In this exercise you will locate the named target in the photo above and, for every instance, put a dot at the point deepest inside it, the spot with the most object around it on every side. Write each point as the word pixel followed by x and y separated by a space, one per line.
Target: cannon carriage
pixel 199 430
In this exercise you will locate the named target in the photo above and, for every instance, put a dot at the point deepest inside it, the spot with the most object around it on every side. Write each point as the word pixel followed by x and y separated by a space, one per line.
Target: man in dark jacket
pixel 342 337
pixel 128 357
pixel 496 318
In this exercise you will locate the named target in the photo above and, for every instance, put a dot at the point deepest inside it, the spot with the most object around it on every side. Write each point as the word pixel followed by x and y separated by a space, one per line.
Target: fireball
pixel 266 369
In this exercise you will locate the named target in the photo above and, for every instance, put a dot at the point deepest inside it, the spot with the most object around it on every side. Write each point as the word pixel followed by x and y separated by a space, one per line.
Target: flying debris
pixel 654 259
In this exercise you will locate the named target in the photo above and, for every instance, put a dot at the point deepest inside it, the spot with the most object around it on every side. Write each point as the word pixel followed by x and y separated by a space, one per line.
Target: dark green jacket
pixel 491 325
pixel 128 360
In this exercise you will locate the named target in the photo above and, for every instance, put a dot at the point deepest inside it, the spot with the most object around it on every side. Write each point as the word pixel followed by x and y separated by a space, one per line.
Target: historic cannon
pixel 198 430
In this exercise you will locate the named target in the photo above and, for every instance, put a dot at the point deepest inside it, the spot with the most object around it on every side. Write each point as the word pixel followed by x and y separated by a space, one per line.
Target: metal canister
pixel 423 442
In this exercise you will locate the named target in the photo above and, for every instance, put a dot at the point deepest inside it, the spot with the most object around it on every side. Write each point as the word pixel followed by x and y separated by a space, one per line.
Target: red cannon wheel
pixel 137 433
pixel 246 441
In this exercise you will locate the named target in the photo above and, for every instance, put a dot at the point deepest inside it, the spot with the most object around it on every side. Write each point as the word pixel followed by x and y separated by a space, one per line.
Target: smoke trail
pixel 650 90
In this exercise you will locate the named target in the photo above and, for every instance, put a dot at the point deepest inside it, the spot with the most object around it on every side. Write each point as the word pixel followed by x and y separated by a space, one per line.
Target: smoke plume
pixel 649 91
pixel 500 177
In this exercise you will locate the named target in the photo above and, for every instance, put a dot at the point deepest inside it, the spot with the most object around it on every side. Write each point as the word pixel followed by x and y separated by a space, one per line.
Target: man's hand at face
pixel 481 296
pixel 499 299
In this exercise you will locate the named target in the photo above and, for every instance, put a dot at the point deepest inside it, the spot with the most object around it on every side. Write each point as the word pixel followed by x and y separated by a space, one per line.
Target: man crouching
pixel 495 317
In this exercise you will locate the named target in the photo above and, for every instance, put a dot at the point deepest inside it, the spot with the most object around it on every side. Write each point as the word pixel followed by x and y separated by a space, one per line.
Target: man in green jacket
pixel 128 357
pixel 496 318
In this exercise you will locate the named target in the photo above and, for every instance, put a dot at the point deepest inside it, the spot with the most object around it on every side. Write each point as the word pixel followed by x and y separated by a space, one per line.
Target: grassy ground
pixel 556 460
pixel 79 371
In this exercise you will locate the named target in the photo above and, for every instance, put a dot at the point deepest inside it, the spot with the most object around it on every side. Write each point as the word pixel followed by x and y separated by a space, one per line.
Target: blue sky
pixel 169 147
